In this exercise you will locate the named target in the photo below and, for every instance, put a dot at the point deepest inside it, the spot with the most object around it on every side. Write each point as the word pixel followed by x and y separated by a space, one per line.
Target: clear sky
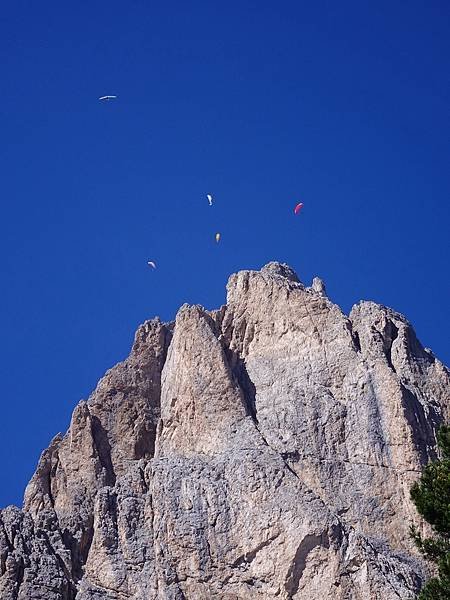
pixel 341 105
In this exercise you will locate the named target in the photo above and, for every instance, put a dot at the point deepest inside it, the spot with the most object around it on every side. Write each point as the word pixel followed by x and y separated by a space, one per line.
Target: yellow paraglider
pixel 217 238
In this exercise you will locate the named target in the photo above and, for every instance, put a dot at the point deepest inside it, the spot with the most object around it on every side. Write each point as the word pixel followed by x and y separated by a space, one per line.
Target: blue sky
pixel 343 106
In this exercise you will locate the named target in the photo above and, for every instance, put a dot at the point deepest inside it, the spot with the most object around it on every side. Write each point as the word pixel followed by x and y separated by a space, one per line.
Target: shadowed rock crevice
pixel 245 383
pixel 298 566
pixel 390 335
pixel 144 446
pixel 79 547
pixel 355 337
pixel 423 425
pixel 103 447
pixel 249 557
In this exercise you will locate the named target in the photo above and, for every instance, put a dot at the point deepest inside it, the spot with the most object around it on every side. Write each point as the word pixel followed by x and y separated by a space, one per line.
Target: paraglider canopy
pixel 210 199
pixel 217 237
pixel 151 264
pixel 298 208
pixel 107 97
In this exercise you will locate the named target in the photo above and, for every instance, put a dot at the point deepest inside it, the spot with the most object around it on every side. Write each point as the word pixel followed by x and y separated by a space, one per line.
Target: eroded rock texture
pixel 264 450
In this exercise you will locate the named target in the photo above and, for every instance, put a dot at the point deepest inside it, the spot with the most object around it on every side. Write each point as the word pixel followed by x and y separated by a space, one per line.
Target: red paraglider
pixel 298 208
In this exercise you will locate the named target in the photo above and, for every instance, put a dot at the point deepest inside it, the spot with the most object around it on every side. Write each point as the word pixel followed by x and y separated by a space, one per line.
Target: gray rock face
pixel 264 450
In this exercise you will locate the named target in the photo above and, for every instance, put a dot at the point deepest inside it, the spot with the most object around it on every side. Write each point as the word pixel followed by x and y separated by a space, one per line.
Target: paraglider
pixel 107 98
pixel 210 199
pixel 217 238
pixel 151 264
pixel 298 208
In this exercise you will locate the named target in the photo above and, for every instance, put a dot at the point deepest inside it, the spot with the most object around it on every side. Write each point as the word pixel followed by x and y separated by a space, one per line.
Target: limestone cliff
pixel 263 450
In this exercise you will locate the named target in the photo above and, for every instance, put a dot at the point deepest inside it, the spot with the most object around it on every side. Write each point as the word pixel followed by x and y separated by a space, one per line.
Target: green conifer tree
pixel 431 495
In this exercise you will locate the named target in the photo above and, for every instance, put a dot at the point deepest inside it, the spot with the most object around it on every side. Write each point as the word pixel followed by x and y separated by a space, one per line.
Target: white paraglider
pixel 107 98
pixel 152 264
pixel 210 199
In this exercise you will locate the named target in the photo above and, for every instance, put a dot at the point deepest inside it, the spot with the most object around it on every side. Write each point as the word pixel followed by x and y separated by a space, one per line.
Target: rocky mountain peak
pixel 280 269
pixel 263 450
